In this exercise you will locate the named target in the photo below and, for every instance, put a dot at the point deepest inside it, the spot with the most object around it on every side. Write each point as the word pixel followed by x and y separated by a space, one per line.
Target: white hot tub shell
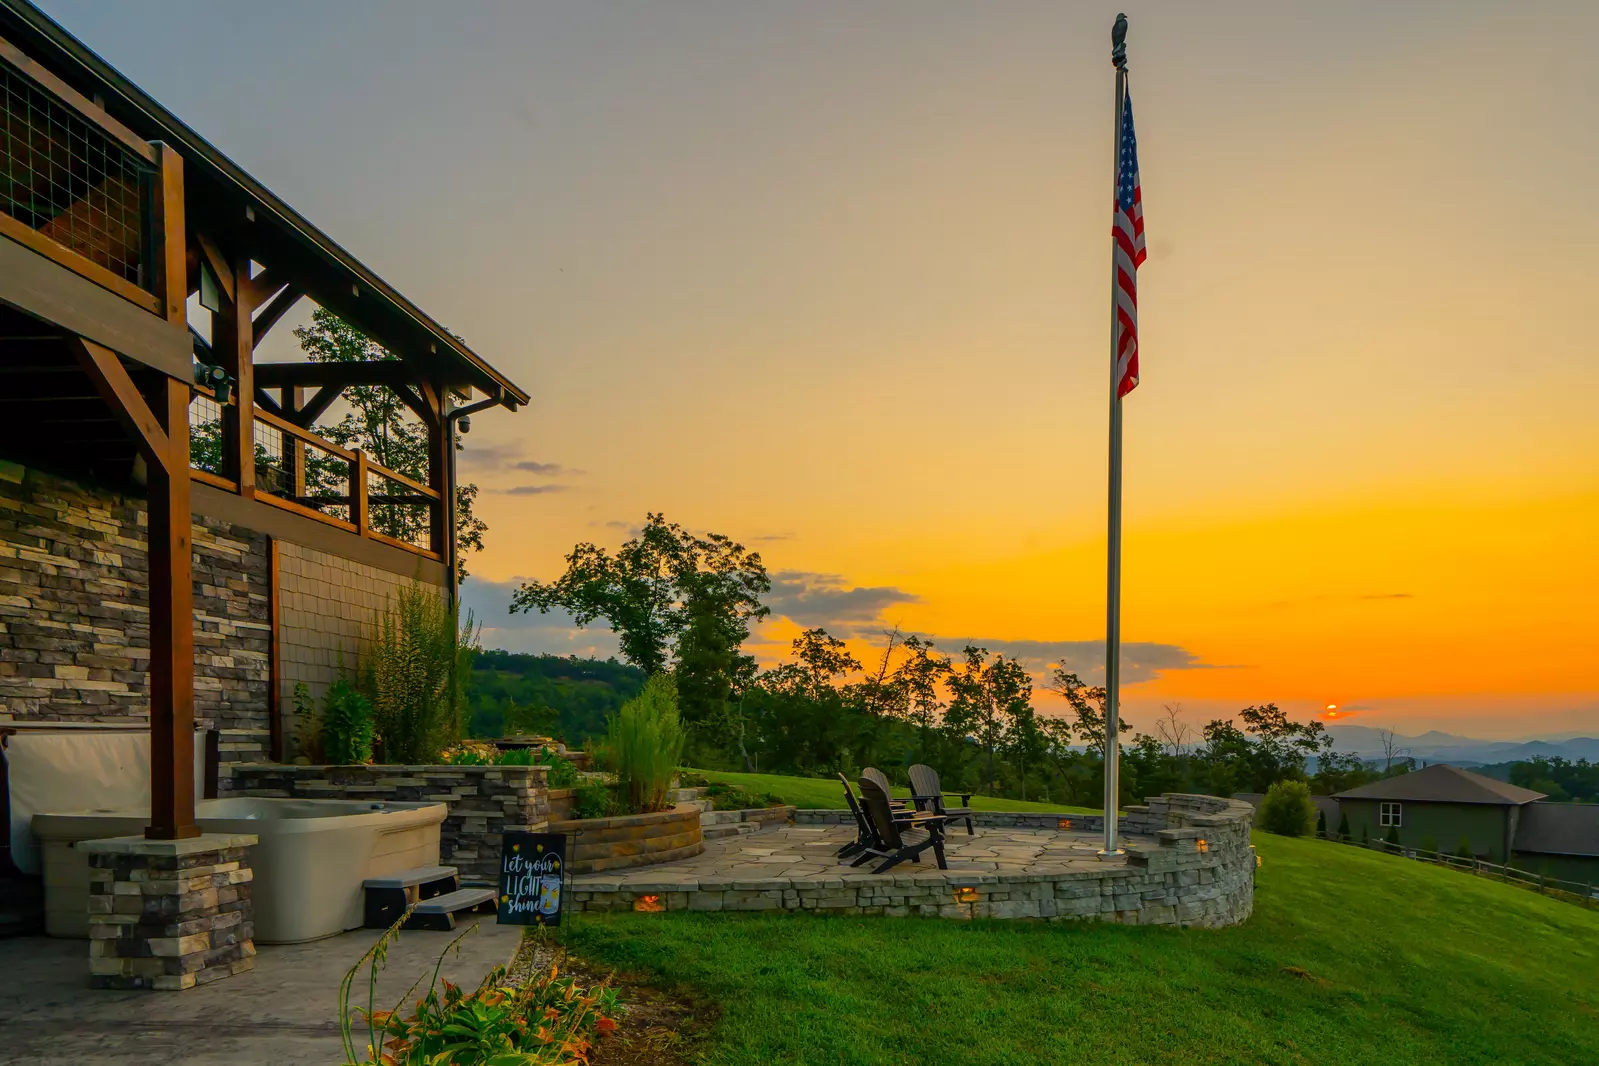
pixel 308 866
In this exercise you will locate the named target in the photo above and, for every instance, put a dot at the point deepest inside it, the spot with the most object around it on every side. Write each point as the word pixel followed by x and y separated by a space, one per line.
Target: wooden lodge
pixel 177 541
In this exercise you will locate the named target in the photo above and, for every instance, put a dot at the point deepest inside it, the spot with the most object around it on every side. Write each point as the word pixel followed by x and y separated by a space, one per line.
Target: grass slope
pixel 822 793
pixel 1351 958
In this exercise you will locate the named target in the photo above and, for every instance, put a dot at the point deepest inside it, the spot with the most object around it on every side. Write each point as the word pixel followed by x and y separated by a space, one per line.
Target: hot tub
pixel 309 864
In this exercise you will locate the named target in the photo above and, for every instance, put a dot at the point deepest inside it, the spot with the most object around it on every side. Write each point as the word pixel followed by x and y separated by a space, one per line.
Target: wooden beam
pixel 127 404
pixel 416 403
pixel 218 263
pixel 170 546
pixel 317 405
pixel 253 292
pixel 276 309
pixel 233 345
pixel 439 478
pixel 264 400
pixel 369 372
pixel 172 250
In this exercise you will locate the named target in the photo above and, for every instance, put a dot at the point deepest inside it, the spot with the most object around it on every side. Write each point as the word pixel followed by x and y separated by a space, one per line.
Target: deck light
pixel 1064 823
pixel 649 905
pixel 966 894
pixel 1200 845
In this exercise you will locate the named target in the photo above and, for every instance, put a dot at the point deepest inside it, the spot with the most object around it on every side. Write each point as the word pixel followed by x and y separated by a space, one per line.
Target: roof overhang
pixel 344 285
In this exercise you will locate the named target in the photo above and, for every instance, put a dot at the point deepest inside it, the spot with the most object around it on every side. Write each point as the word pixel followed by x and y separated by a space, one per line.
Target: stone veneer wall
pixel 327 607
pixel 484 801
pixel 74 612
pixel 1173 882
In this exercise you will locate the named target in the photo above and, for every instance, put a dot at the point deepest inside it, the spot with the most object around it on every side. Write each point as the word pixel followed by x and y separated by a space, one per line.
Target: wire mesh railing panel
pixel 65 177
pixel 206 434
pixel 326 485
pixel 396 510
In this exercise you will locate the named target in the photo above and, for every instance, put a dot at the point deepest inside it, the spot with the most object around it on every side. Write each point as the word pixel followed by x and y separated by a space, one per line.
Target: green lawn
pixel 1351 958
pixel 822 793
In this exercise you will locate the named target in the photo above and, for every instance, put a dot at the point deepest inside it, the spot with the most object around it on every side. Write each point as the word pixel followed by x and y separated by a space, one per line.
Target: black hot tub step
pixel 440 911
pixel 389 895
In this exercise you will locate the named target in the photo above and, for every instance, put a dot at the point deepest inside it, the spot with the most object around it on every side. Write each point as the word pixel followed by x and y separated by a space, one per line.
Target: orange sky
pixel 833 279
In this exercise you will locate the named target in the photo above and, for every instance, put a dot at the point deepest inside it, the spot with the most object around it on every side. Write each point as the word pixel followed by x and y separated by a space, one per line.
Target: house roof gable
pixel 1442 783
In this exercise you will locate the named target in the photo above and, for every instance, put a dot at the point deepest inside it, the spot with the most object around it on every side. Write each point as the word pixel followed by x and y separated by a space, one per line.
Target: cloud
pixel 531 490
pixel 533 466
pixel 1140 660
pixel 1389 596
pixel 768 537
pixel 829 601
pixel 554 633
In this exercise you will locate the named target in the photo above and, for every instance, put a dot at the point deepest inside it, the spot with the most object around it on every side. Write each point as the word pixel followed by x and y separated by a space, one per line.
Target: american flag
pixel 1129 233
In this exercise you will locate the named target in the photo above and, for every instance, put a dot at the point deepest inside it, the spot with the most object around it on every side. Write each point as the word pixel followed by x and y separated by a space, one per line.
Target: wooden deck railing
pixel 306 474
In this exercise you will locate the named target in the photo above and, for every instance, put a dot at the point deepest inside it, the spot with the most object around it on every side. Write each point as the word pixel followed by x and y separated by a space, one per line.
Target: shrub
pixel 1393 835
pixel 1321 823
pixel 644 741
pixel 416 674
pixel 563 772
pixel 1429 844
pixel 1343 825
pixel 596 801
pixel 1463 849
pixel 1288 809
pixel 307 725
pixel 738 798
pixel 346 725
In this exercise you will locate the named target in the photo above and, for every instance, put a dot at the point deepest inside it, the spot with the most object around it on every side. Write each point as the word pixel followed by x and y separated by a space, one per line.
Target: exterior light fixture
pixel 1064 823
pixel 966 894
pixel 1201 845
pixel 649 905
pixel 214 378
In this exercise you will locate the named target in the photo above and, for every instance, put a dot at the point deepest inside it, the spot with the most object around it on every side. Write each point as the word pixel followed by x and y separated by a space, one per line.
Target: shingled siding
pixel 74 612
pixel 328 607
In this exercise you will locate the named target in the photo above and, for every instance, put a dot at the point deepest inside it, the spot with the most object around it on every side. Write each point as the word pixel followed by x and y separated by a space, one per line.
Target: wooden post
pixel 358 509
pixel 170 534
pixel 438 471
pixel 171 256
pixel 274 664
pixel 233 342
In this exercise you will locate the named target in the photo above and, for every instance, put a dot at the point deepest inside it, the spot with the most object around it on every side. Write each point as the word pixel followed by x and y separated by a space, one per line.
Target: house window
pixel 1391 814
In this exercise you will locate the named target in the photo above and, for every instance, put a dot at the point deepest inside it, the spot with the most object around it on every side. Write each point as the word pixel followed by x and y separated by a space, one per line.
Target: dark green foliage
pixel 1321 823
pixel 548 695
pixel 1463 849
pixel 737 798
pixel 1429 844
pixel 347 725
pixel 1288 809
pixel 1393 835
pixel 1343 825
pixel 597 801
pixel 1561 781
pixel 380 424
pixel 1365 837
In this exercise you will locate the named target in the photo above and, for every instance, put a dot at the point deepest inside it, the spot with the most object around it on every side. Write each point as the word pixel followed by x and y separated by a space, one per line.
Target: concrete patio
pixel 283 1012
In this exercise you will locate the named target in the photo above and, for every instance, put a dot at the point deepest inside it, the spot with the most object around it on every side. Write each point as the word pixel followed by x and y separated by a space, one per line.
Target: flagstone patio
pixel 1193 866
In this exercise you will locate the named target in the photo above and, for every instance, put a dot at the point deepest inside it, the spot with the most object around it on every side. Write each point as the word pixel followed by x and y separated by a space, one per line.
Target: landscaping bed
pixel 632 840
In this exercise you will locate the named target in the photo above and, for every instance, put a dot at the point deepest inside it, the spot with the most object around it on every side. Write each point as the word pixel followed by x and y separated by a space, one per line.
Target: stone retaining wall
pixel 1199 870
pixel 484 801
pixel 633 840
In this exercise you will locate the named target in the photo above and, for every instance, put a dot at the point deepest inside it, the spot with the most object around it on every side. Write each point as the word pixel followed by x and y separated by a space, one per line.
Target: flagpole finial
pixel 1118 42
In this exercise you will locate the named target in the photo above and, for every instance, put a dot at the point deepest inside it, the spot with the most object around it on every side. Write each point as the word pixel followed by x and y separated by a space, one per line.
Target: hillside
pixel 558 695
pixel 1351 958
pixel 824 793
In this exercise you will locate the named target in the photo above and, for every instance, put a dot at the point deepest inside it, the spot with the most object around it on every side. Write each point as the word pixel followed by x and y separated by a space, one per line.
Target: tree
pixel 380 424
pixel 1391 749
pixel 1287 809
pixel 1343 824
pixel 665 592
pixel 1393 835
pixel 986 697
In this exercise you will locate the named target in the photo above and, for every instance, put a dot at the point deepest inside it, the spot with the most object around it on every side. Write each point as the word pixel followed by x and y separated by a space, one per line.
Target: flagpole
pixel 1113 583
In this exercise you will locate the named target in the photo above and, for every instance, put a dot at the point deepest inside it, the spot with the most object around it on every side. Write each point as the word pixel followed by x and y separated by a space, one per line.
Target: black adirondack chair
pixel 928 796
pixel 888 831
pixel 863 829
pixel 874 774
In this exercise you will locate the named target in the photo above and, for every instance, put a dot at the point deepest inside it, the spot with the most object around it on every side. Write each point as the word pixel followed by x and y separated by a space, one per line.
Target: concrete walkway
pixel 283 1013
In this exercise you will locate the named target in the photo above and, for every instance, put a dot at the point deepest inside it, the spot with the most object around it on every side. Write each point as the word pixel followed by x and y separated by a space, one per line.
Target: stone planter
pixel 484 801
pixel 632 839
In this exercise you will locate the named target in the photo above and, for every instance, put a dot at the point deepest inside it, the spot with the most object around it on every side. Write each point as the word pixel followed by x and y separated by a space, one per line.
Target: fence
pixel 1582 894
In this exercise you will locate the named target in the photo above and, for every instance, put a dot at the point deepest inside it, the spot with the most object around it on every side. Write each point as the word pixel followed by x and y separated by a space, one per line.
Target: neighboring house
pixel 175 552
pixel 1560 839
pixel 1441 805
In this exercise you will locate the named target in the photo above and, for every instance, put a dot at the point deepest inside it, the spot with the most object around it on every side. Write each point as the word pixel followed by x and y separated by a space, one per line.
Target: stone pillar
pixel 169 914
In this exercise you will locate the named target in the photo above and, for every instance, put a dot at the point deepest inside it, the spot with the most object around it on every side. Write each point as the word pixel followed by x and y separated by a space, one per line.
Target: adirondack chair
pixel 881 778
pixel 928 796
pixel 863 828
pixel 889 843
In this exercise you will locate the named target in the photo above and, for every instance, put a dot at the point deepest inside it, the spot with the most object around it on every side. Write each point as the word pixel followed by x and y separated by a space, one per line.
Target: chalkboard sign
pixel 532 878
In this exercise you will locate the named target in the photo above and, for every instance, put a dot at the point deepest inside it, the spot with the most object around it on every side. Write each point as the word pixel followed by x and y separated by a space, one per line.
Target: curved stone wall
pixel 633 840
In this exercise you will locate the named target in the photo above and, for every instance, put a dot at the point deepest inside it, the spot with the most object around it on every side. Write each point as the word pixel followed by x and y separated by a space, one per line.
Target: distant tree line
pixel 683 603
pixel 1560 780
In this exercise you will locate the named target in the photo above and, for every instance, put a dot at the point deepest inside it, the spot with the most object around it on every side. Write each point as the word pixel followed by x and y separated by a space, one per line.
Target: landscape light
pixel 966 894
pixel 1200 845
pixel 649 905
pixel 1065 823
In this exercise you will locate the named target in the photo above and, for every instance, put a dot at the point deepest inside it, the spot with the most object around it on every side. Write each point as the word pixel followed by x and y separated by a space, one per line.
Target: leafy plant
pixel 1463 849
pixel 1429 844
pixel 644 743
pixel 1288 809
pixel 563 772
pixel 416 671
pixel 1393 835
pixel 307 724
pixel 738 798
pixel 542 1020
pixel 347 726
pixel 597 801
pixel 1343 825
